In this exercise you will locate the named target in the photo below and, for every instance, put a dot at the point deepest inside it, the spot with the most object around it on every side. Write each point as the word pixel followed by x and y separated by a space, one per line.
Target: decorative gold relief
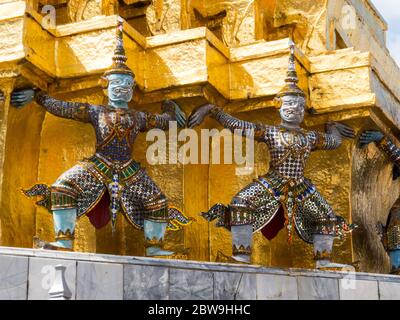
pixel 79 10
pixel 164 16
pixel 233 21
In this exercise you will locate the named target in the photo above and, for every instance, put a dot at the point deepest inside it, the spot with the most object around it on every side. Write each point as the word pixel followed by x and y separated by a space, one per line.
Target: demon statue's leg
pixel 64 228
pixel 322 249
pixel 393 239
pixel 317 224
pixel 323 244
pixel 395 261
pixel 241 229
pixel 154 232
pixel 390 237
pixel 241 242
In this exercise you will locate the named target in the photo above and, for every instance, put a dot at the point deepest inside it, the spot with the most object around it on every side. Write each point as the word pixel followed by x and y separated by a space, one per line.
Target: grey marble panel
pixel 42 273
pixel 145 283
pixel 358 289
pixel 13 278
pixel 191 265
pixel 99 281
pixel 389 290
pixel 234 286
pixel 276 287
pixel 190 284
pixel 310 288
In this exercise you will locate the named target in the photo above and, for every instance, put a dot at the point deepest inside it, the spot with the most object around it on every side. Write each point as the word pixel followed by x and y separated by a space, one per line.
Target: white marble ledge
pixel 187 264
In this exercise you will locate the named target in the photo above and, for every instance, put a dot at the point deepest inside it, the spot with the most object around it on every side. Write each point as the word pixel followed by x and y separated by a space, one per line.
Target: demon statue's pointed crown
pixel 119 58
pixel 291 87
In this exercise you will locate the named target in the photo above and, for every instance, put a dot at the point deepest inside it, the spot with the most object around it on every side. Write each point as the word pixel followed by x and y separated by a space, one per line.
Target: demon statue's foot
pixel 61 245
pixel 331 266
pixel 242 258
pixel 323 244
pixel 241 243
pixel 154 232
pixel 156 251
pixel 221 257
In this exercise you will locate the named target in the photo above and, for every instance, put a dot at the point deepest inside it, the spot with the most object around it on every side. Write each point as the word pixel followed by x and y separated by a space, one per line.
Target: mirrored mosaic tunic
pixel 282 197
pixel 110 181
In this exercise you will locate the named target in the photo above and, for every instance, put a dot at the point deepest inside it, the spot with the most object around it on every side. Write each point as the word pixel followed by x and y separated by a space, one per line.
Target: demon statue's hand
pixel 199 114
pixel 20 98
pixel 180 116
pixel 370 136
pixel 344 130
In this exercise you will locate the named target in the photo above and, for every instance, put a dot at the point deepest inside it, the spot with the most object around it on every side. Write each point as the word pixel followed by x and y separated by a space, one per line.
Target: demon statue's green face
pixel 120 89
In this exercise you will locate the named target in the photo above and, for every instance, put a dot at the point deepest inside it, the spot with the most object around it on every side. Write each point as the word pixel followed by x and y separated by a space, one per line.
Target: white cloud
pixel 390 11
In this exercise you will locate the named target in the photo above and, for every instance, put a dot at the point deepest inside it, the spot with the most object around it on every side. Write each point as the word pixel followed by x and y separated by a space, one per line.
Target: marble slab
pixel 29 273
pixel 234 286
pixel 190 284
pixel 358 290
pixel 275 287
pixel 389 290
pixel 42 273
pixel 311 288
pixel 189 265
pixel 99 281
pixel 145 283
pixel 13 278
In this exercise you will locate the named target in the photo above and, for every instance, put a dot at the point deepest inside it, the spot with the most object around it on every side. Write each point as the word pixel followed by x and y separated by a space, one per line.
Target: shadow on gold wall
pixel 18 214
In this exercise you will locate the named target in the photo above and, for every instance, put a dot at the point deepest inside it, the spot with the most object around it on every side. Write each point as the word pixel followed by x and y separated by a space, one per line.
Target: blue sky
pixel 390 10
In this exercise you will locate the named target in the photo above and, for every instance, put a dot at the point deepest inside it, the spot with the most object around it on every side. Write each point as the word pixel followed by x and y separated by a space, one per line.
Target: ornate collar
pixel 283 128
pixel 119 110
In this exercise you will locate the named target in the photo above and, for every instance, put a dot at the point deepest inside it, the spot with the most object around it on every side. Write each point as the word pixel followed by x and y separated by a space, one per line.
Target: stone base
pixel 99 276
pixel 175 256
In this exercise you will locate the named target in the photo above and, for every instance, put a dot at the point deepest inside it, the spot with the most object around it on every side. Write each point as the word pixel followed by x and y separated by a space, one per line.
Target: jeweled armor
pixel 110 176
pixel 390 149
pixel 283 187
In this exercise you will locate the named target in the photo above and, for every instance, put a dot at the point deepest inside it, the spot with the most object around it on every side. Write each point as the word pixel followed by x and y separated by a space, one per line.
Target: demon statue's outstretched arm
pixel 229 121
pixel 69 110
pixel 331 139
pixel 390 149
pixel 386 145
pixel 171 112
pixel 226 120
pixel 383 142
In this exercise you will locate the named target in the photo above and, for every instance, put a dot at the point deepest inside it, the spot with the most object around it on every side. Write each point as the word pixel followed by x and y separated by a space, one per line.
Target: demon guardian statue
pixel 110 181
pixel 282 197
